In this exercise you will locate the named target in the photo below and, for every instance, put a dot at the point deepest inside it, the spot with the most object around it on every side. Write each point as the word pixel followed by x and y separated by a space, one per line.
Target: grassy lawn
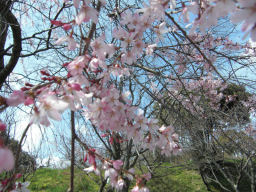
pixel 57 180
pixel 176 180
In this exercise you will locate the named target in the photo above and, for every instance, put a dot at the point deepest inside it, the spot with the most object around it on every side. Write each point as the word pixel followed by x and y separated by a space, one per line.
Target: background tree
pixel 217 142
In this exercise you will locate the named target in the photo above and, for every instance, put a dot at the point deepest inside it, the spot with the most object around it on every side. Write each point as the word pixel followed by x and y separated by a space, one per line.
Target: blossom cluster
pixel 115 173
pixel 209 11
pixel 199 95
pixel 87 86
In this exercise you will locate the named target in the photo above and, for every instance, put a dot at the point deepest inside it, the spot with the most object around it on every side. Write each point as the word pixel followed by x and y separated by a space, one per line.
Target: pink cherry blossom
pixel 119 71
pixel 85 14
pixel 70 40
pixel 161 29
pixel 67 27
pixel 29 101
pixel 129 57
pixel 147 176
pixel 210 14
pixel 16 98
pixel 95 64
pixel 50 106
pixel 92 169
pixel 112 174
pixel 57 23
pixel 75 86
pixel 135 189
pixel 6 160
pixel 102 49
pixel 120 184
pixel 77 66
pixel 92 157
pixel 129 174
pixel 150 49
pixel 117 164
pixel 246 13
pixel 144 189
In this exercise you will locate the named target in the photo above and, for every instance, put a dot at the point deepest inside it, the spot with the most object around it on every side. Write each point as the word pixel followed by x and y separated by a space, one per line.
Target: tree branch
pixel 16 30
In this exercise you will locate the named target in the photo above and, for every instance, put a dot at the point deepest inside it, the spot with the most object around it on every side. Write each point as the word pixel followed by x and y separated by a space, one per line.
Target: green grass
pixel 57 180
pixel 176 180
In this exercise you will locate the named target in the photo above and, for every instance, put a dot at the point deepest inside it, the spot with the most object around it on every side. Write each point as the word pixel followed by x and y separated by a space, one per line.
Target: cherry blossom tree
pixel 112 60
